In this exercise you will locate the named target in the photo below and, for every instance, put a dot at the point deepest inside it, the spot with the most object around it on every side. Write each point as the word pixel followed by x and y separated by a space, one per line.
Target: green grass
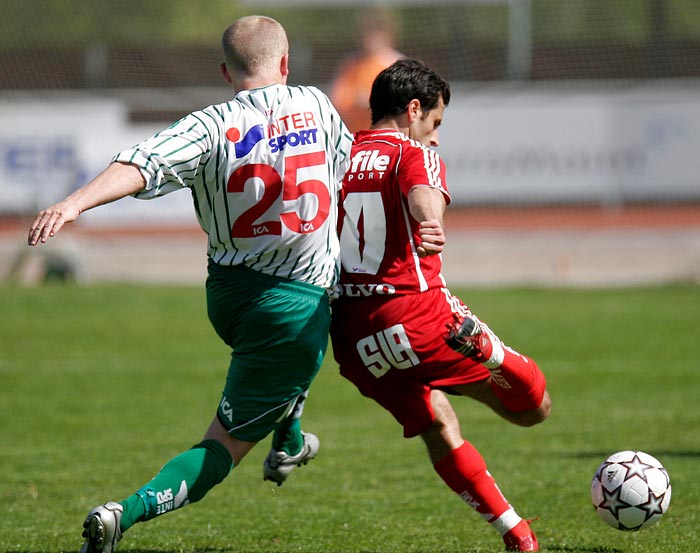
pixel 99 386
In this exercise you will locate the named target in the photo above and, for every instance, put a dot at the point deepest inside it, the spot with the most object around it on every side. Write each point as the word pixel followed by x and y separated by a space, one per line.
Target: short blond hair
pixel 254 44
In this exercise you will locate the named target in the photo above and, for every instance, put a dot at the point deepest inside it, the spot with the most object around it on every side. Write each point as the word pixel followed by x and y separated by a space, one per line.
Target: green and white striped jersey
pixel 265 170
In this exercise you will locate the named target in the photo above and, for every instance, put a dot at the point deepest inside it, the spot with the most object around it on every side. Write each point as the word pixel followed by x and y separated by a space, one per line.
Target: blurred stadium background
pixel 572 140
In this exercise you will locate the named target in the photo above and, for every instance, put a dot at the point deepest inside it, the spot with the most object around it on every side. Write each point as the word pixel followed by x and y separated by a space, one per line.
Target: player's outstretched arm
pixel 116 181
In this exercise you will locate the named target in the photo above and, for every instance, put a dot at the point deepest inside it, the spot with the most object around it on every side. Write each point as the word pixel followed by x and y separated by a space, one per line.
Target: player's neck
pixel 389 124
pixel 259 81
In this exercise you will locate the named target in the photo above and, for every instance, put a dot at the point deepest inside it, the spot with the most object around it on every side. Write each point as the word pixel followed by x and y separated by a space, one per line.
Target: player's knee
pixel 534 416
pixel 443 435
pixel 545 406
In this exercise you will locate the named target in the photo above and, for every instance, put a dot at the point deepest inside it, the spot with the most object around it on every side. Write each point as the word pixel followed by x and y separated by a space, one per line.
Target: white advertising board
pixel 50 148
pixel 559 145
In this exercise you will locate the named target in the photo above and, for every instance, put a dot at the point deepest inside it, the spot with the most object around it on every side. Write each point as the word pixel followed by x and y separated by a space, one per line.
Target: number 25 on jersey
pixel 262 218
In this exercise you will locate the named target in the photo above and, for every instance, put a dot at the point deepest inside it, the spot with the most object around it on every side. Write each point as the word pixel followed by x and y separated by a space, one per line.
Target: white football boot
pixel 278 465
pixel 101 528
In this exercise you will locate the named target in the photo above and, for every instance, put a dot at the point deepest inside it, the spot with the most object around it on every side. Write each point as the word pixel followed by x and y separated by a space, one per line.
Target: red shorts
pixel 394 351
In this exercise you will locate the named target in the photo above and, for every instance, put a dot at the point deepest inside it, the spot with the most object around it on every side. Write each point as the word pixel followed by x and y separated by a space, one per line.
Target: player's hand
pixel 432 238
pixel 49 221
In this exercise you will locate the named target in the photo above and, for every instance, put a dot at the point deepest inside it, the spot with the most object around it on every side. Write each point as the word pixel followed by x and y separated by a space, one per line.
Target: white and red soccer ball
pixel 631 490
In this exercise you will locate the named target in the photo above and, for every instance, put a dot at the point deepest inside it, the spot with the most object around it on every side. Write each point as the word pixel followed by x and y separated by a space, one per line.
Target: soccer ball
pixel 631 490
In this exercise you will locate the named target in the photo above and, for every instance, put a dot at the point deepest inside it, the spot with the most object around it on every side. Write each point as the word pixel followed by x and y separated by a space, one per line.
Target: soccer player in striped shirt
pixel 264 171
pixel 402 355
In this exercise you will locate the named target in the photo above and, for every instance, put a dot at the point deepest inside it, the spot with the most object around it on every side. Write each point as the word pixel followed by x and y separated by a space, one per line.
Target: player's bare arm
pixel 432 238
pixel 427 205
pixel 117 181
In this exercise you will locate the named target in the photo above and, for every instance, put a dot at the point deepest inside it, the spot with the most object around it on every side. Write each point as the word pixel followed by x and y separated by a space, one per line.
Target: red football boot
pixel 521 538
pixel 464 337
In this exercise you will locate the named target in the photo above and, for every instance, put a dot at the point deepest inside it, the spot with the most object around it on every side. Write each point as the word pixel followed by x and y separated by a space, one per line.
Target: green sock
pixel 183 480
pixel 287 436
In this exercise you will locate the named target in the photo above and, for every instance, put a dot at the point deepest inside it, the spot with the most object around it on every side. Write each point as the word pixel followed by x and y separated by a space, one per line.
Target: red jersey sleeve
pixel 421 166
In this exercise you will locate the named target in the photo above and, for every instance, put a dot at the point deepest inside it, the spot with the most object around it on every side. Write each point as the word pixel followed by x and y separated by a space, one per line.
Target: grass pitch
pixel 99 386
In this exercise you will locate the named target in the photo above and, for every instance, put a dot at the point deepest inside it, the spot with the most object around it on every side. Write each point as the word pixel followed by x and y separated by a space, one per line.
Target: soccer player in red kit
pixel 398 333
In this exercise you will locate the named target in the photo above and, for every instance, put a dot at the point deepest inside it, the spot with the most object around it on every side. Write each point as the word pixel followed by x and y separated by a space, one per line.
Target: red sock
pixel 516 379
pixel 464 471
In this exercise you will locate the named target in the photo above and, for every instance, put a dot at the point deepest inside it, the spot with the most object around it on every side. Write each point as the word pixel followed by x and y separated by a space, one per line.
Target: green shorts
pixel 278 330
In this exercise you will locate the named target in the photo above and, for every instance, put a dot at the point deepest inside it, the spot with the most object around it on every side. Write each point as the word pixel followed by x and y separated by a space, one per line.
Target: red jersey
pixel 378 235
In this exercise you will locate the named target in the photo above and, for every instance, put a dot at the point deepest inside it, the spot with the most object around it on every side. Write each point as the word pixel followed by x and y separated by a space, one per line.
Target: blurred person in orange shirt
pixel 353 82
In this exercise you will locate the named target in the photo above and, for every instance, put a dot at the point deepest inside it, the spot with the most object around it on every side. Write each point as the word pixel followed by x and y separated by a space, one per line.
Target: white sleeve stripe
pixel 414 253
pixel 432 167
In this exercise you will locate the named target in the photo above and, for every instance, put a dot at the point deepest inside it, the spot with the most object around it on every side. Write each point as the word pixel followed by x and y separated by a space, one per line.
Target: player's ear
pixel 284 66
pixel 413 110
pixel 226 73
